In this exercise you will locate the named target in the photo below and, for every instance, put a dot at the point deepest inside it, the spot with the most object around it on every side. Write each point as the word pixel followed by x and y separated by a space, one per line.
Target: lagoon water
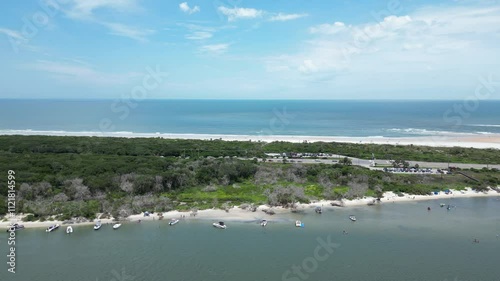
pixel 254 117
pixel 392 241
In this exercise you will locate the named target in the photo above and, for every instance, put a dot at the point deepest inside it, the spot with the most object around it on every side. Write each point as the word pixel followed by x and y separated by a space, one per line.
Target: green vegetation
pixel 81 176
pixel 216 148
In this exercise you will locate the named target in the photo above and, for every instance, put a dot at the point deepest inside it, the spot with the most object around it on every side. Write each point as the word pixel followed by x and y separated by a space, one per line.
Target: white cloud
pixel 84 9
pixel 240 13
pixel 287 17
pixel 198 32
pixel 13 34
pixel 215 48
pixel 308 66
pixel 186 9
pixel 425 50
pixel 199 35
pixel 328 28
pixel 131 32
pixel 79 72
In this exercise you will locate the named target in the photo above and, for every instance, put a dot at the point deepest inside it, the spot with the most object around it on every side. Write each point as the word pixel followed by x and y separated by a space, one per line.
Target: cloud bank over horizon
pixel 256 50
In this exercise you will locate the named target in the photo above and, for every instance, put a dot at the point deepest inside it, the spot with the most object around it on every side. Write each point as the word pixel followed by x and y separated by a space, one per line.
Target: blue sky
pixel 260 49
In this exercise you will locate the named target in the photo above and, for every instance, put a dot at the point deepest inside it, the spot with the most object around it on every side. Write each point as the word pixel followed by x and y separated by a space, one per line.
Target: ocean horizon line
pixel 233 99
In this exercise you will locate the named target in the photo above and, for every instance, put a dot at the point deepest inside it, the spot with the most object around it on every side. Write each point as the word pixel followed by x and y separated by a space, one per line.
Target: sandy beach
pixel 444 140
pixel 281 214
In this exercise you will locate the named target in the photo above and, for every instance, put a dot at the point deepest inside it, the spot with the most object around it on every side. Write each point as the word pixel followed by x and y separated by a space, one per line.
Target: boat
pixel 52 228
pixel 15 227
pixel 352 217
pixel 448 208
pixel 299 224
pixel 97 225
pixel 173 221
pixel 117 225
pixel 69 230
pixel 220 225
pixel 263 222
pixel 318 210
pixel 442 205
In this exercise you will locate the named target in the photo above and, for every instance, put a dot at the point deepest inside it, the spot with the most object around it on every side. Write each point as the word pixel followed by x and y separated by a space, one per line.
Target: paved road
pixel 366 163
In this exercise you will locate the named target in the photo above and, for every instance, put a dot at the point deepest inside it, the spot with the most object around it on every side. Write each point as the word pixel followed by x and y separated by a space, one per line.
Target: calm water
pixel 395 241
pixel 306 118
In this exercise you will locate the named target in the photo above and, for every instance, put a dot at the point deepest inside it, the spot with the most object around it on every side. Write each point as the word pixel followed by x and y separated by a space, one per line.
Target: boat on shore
pixel 52 228
pixel 352 217
pixel 15 227
pixel 173 221
pixel 97 225
pixel 220 225
pixel 117 225
pixel 69 230
pixel 263 222
pixel 299 224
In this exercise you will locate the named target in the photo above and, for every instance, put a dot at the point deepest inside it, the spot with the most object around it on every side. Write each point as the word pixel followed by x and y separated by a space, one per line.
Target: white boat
pixel 173 221
pixel 69 230
pixel 263 223
pixel 97 225
pixel 353 218
pixel 220 225
pixel 318 210
pixel 52 228
pixel 299 224
pixel 117 225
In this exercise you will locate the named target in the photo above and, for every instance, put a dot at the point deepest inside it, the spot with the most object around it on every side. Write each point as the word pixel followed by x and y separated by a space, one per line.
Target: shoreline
pixel 281 213
pixel 443 140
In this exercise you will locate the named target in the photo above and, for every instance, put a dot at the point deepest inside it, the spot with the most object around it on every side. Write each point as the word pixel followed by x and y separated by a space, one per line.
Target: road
pixel 366 163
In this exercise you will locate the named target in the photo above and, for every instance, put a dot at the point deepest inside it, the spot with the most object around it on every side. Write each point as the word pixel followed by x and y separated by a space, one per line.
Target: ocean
pixel 254 117
pixel 392 241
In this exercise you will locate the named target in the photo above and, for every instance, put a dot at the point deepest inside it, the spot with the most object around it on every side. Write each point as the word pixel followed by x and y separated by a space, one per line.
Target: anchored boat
pixel 69 230
pixel 173 221
pixel 52 228
pixel 220 225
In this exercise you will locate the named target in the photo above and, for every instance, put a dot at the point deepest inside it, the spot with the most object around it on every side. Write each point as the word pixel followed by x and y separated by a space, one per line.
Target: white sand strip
pixel 281 214
pixel 445 140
